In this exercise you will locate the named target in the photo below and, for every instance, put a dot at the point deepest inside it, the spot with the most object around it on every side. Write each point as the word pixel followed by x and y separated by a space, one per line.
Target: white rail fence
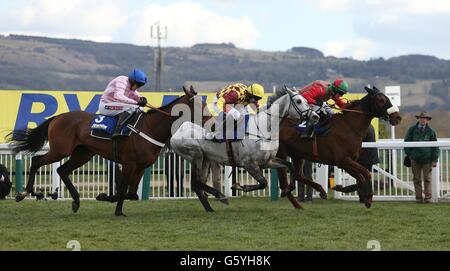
pixel 169 177
pixel 392 181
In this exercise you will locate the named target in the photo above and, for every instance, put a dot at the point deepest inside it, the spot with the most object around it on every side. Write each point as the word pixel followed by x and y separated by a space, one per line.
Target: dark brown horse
pixel 340 147
pixel 68 134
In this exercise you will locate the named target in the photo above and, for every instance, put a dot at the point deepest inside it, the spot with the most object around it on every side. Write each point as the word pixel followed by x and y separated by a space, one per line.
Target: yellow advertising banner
pixel 26 109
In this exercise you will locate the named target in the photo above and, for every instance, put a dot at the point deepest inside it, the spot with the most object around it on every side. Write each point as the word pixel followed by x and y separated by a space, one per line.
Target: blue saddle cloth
pixel 322 128
pixel 103 126
pixel 237 134
pixel 103 123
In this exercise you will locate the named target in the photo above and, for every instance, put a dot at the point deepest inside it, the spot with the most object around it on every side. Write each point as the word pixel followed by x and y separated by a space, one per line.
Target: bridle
pixel 291 104
pixel 158 110
pixel 371 114
pixel 162 111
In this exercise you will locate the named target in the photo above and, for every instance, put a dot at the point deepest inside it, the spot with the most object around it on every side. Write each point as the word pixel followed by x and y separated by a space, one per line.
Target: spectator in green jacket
pixel 422 159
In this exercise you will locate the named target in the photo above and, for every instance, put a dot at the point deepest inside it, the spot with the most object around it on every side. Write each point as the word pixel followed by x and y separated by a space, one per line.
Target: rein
pixel 350 110
pixel 291 103
pixel 157 109
pixel 346 110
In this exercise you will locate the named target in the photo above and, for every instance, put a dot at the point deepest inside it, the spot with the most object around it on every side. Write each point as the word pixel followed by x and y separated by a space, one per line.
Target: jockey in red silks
pixel 318 93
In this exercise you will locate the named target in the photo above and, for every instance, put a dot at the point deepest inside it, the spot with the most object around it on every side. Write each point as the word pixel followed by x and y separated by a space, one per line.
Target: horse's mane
pixel 164 107
pixel 353 103
pixel 277 95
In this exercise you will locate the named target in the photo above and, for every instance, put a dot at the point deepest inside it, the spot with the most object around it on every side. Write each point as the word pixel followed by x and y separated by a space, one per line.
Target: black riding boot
pixel 123 118
pixel 309 131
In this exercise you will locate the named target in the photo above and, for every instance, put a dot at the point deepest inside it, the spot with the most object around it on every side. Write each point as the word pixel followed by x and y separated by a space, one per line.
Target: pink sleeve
pixel 135 95
pixel 120 96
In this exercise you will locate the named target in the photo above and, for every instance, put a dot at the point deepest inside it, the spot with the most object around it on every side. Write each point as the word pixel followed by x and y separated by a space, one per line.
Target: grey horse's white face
pixel 298 106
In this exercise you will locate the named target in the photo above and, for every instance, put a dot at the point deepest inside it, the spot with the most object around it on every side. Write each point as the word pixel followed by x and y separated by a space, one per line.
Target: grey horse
pixel 253 153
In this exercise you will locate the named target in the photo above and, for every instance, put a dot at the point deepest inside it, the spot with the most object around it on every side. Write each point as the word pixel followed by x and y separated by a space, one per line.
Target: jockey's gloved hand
pixel 319 102
pixel 234 113
pixel 142 101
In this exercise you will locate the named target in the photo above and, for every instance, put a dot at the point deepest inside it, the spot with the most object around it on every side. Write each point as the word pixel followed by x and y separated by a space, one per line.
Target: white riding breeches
pixel 115 108
pixel 325 109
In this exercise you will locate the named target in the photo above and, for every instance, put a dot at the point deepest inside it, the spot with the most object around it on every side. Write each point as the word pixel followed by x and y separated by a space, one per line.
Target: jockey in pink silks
pixel 121 97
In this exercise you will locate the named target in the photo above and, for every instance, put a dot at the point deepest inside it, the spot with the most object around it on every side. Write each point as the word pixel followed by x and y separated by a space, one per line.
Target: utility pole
pixel 158 34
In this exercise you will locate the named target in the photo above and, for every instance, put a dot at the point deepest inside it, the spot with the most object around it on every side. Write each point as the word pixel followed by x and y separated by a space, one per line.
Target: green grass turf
pixel 246 224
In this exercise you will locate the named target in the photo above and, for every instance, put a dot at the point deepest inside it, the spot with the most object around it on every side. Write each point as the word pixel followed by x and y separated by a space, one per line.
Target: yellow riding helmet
pixel 256 90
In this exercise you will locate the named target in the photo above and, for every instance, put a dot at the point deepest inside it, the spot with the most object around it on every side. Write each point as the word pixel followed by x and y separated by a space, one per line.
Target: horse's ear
pixel 193 92
pixel 185 90
pixel 371 90
pixel 290 92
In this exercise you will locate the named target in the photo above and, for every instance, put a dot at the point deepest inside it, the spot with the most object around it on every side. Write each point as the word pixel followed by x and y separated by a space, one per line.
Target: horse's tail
pixel 30 140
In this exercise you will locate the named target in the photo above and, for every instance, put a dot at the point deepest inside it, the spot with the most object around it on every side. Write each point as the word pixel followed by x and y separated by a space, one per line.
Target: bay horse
pixel 340 147
pixel 68 134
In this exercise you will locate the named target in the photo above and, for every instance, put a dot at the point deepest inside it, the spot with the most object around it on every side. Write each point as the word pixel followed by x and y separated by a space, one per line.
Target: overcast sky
pixel 361 29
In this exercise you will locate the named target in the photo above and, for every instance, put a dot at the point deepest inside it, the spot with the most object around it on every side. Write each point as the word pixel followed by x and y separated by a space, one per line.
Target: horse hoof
pixel 75 205
pixel 224 200
pixel 21 196
pixel 236 186
pixel 285 192
pixel 337 188
pixel 120 214
pixel 102 197
pixel 323 195
pixel 369 201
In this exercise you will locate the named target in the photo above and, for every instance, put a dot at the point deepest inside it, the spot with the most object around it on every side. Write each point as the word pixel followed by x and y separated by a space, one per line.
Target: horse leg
pixel 282 179
pixel 363 177
pixel 258 174
pixel 298 170
pixel 281 163
pixel 196 181
pixel 132 188
pixel 129 171
pixel 37 162
pixel 79 157
pixel 205 187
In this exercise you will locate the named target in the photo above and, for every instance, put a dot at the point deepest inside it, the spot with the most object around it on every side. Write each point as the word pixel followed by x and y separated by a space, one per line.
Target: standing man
pixel 422 159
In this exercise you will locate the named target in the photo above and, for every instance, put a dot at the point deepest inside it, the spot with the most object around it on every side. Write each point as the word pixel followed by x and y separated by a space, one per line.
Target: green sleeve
pixel 408 137
pixel 435 150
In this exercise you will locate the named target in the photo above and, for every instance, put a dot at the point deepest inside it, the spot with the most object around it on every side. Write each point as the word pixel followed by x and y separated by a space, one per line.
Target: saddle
pixel 238 133
pixel 103 127
pixel 322 128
